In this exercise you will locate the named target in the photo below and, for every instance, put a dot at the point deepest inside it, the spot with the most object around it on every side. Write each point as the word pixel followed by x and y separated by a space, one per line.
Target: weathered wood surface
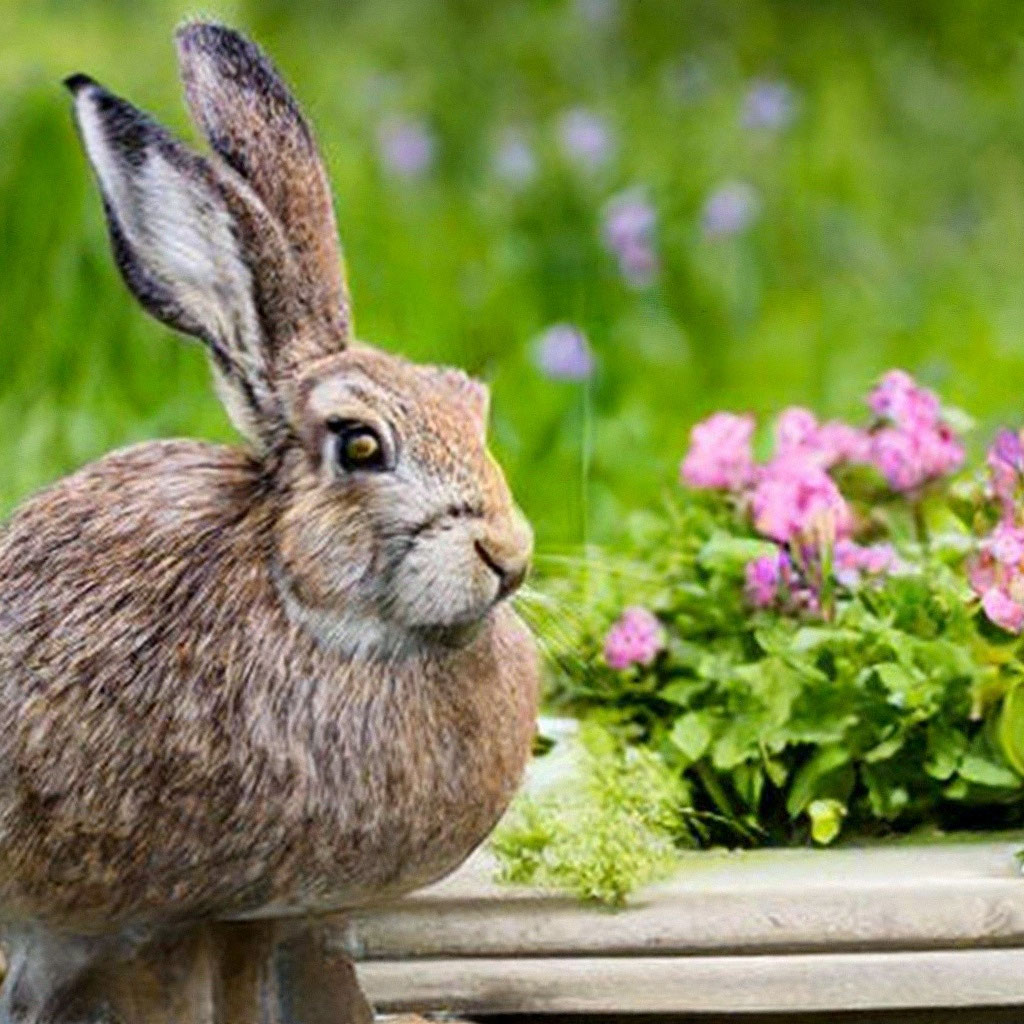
pixel 799 930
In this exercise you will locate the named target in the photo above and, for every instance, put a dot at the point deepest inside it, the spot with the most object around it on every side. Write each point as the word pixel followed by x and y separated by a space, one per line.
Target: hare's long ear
pixel 253 121
pixel 198 249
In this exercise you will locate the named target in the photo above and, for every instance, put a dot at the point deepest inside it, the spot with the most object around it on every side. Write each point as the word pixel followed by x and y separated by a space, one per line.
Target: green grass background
pixel 892 231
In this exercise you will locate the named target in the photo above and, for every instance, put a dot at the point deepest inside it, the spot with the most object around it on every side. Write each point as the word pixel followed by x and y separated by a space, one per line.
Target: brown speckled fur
pixel 250 683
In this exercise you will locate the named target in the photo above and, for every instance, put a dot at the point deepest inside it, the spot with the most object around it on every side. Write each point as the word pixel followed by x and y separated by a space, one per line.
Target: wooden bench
pixel 894 929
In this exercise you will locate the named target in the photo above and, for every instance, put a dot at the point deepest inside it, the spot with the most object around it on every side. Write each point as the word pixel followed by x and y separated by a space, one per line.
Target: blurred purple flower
pixel 628 223
pixel 730 209
pixel 770 104
pixel 514 160
pixel 585 138
pixel 635 639
pixel 638 265
pixel 406 147
pixel 687 81
pixel 563 353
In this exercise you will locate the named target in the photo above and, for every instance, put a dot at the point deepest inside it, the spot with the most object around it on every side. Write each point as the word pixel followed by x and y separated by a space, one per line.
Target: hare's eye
pixel 359 447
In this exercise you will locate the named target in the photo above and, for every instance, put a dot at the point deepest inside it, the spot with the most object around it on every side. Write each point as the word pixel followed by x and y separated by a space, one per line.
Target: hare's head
pixel 392 514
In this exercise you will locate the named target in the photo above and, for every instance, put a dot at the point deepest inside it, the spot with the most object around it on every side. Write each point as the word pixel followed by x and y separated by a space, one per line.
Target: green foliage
pixel 602 831
pixel 905 707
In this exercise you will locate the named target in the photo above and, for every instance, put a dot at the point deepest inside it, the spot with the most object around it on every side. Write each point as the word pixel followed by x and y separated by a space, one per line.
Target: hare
pixel 262 682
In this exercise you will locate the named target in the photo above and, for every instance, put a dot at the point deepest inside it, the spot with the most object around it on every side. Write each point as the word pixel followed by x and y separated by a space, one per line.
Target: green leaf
pixel 946 748
pixel 811 781
pixel 691 735
pixel 826 819
pixel 983 772
pixel 884 750
pixel 729 554
pixel 1011 727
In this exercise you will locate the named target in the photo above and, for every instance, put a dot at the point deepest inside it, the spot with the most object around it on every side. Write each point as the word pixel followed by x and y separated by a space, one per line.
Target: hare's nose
pixel 506 550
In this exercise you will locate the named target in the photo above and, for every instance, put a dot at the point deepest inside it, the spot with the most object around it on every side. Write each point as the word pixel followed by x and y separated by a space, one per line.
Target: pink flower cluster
pixel 997 576
pixel 720 455
pixel 996 572
pixel 1006 471
pixel 774 581
pixel 794 500
pixel 790 495
pixel 635 639
pixel 851 562
pixel 914 445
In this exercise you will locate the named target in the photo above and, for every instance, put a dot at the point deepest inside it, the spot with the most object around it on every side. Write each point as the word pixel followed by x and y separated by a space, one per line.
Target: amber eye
pixel 359 446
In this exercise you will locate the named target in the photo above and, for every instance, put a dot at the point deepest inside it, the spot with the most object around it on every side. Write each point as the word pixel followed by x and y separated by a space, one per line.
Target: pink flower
pixel 841 442
pixel 1003 610
pixel 795 429
pixel 894 452
pixel 1006 470
pixel 797 432
pixel 635 639
pixel 915 445
pixel 793 497
pixel 900 399
pixel 996 573
pixel 1006 545
pixel 764 576
pixel 720 455
pixel 910 457
pixel 852 561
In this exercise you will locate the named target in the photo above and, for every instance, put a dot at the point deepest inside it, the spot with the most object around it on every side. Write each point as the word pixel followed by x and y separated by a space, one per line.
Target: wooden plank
pixel 793 983
pixel 963 895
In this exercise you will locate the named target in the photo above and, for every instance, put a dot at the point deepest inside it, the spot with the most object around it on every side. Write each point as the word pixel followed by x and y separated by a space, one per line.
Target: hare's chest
pixel 407 790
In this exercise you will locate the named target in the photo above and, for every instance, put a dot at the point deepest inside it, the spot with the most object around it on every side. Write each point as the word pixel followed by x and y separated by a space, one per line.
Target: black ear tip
pixel 77 82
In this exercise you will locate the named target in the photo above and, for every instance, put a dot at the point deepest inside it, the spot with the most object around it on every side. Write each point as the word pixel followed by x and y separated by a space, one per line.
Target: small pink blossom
pixel 910 457
pixel 900 399
pixel 852 561
pixel 840 442
pixel 797 431
pixel 1003 610
pixel 1006 470
pixel 635 639
pixel 720 455
pixel 765 576
pixel 793 497
pixel 1006 545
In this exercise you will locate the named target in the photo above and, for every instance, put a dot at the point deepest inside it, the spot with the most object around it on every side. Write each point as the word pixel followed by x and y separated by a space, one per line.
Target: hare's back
pixel 116 585
pixel 108 554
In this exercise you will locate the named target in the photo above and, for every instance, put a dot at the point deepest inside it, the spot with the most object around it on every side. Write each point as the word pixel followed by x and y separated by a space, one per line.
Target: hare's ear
pixel 198 249
pixel 253 122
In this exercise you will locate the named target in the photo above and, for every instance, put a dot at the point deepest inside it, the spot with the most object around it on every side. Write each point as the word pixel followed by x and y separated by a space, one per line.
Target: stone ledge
pixel 885 927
